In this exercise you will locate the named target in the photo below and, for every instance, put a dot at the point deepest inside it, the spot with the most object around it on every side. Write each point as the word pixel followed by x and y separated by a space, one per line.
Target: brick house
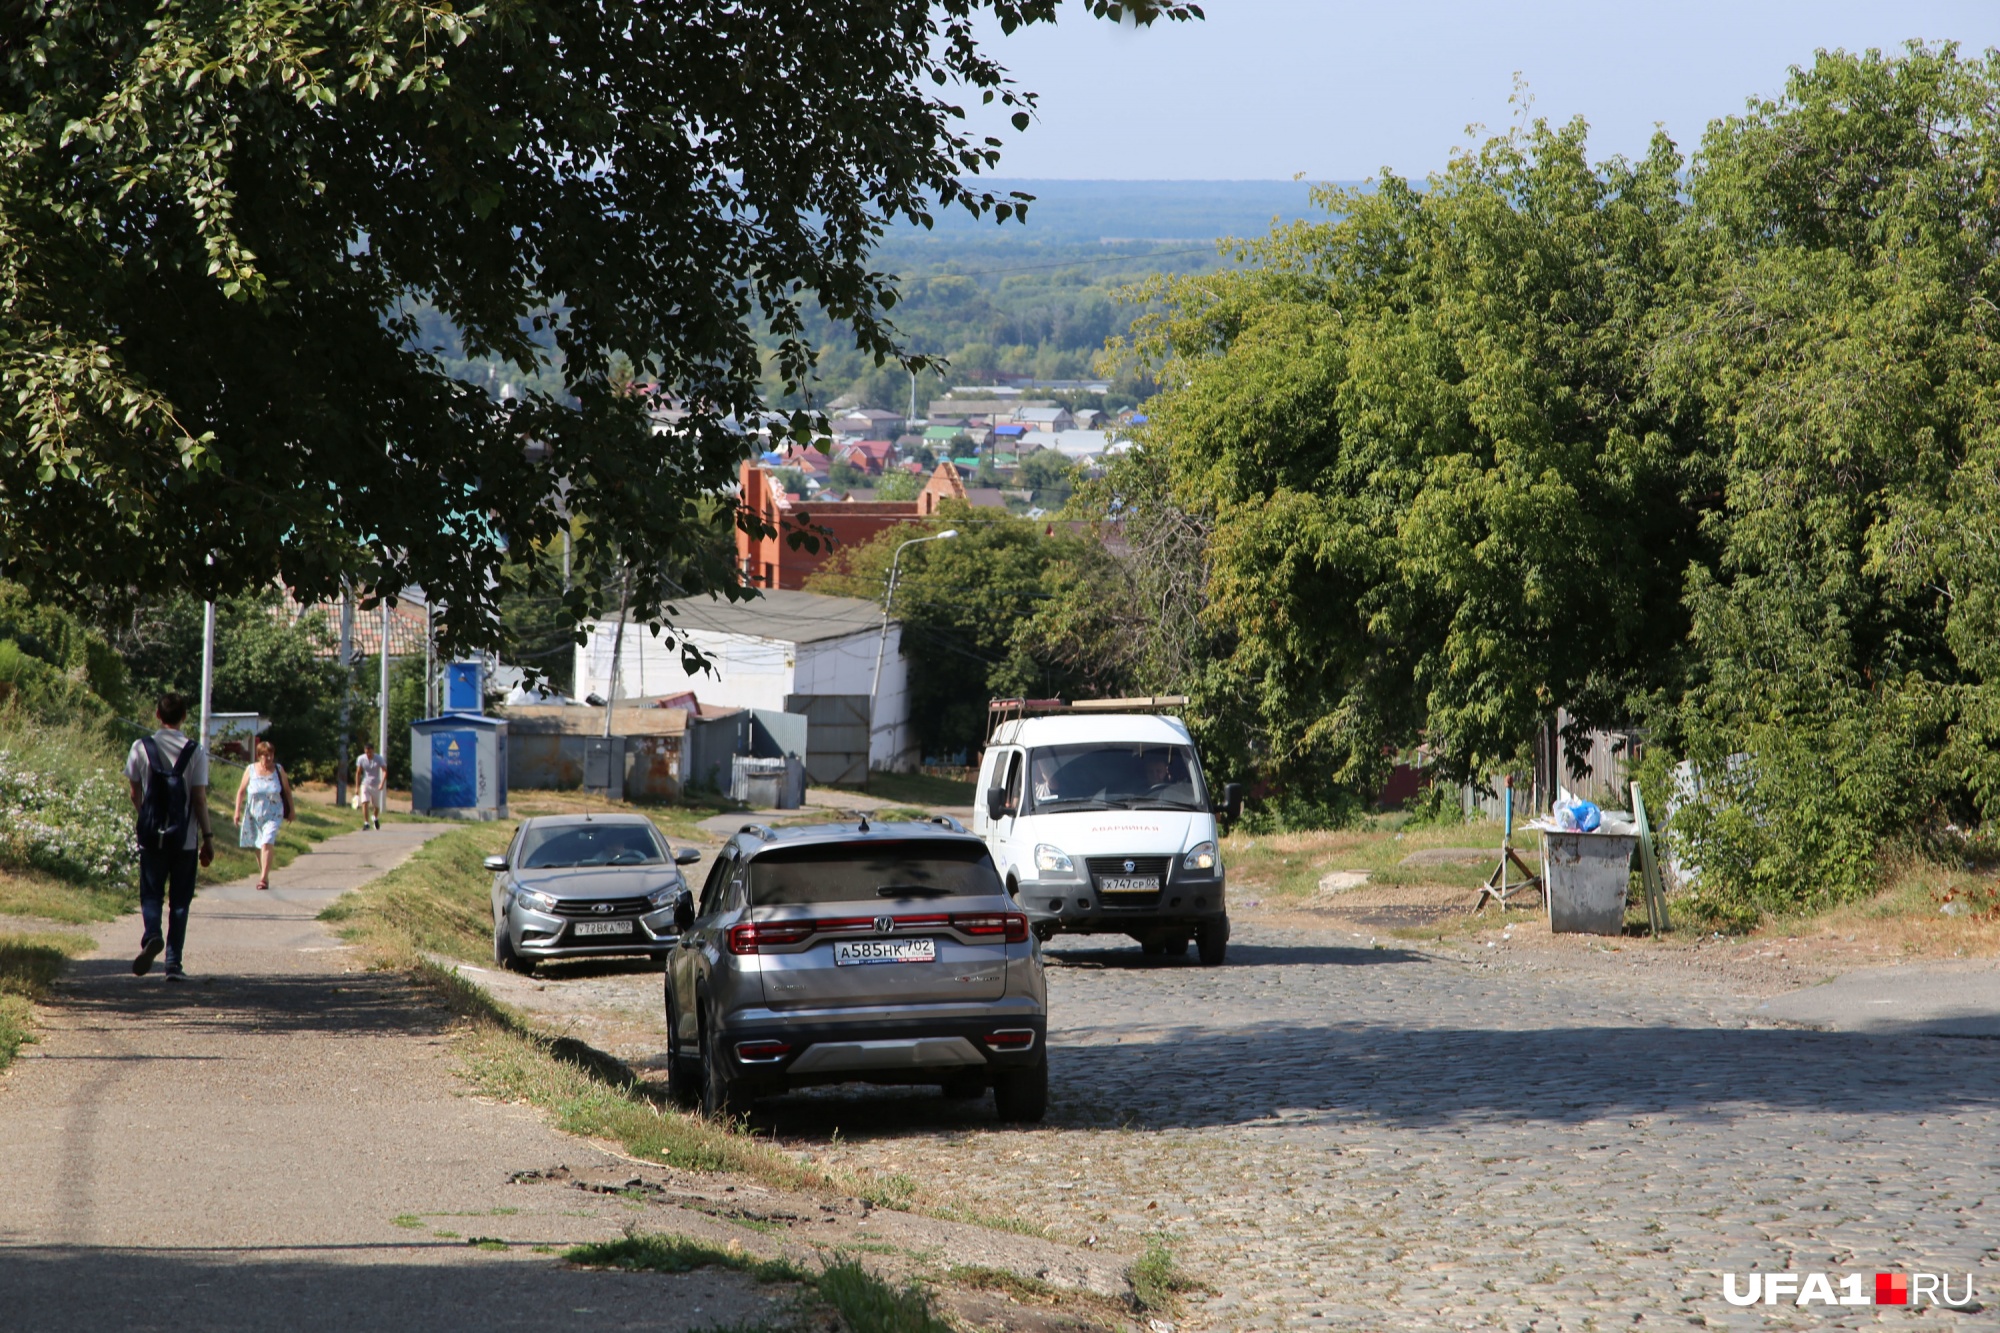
pixel 773 562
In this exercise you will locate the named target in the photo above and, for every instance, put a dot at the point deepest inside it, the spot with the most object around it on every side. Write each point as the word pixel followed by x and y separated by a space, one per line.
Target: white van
pixel 1101 822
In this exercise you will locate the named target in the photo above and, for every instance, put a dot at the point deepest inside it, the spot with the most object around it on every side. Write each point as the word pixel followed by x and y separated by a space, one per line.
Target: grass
pixel 1289 865
pixel 865 1302
pixel 29 965
pixel 919 789
pixel 438 901
pixel 36 893
pixel 1158 1284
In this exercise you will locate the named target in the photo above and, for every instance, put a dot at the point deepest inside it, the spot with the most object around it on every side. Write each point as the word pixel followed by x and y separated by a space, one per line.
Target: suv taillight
pixel 1010 926
pixel 750 936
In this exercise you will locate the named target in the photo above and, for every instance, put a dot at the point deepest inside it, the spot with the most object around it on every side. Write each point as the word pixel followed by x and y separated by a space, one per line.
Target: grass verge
pixel 436 902
pixel 29 965
pixel 864 1301
pixel 922 789
pixel 1289 865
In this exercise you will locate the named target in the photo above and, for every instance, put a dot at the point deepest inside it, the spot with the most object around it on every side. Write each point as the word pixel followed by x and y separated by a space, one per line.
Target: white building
pixel 762 652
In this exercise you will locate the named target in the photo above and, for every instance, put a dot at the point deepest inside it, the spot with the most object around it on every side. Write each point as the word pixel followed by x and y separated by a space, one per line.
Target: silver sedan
pixel 585 886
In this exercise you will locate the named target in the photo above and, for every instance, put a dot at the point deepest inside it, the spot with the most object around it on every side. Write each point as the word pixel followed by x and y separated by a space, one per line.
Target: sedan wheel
pixel 503 951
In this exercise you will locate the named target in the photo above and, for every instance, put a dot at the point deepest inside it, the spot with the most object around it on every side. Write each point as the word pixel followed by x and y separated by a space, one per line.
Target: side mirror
pixel 996 802
pixel 687 856
pixel 1232 801
pixel 496 864
pixel 684 912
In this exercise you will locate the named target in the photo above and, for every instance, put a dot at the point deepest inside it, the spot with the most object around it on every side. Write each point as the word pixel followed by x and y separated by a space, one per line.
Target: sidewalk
pixel 281 1141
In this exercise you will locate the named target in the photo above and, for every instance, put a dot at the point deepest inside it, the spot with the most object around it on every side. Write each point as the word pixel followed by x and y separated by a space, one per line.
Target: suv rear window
pixel 872 872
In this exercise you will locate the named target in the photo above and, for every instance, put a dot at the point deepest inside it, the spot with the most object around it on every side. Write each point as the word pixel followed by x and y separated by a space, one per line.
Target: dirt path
pixel 281 1141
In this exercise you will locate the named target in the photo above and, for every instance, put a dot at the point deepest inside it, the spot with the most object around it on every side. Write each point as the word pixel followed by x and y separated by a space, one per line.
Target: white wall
pixel 758 673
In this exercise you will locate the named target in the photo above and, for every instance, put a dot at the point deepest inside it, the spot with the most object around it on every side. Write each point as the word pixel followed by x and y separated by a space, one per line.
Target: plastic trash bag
pixel 1574 816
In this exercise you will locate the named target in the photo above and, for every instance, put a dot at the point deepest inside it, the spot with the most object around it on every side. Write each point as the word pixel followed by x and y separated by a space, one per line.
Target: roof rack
pixel 1001 711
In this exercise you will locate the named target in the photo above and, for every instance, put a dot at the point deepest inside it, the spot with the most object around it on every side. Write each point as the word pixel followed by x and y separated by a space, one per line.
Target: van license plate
pixel 601 928
pixel 849 952
pixel 1129 884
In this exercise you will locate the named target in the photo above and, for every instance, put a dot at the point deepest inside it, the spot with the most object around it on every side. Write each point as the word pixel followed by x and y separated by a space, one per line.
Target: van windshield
pixel 1115 777
pixel 874 872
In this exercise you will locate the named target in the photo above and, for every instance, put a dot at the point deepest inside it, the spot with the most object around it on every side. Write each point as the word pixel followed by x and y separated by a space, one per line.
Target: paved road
pixel 235 1151
pixel 1359 1138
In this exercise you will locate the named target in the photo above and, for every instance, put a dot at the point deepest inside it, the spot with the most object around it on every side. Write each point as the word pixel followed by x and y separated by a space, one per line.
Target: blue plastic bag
pixel 1582 816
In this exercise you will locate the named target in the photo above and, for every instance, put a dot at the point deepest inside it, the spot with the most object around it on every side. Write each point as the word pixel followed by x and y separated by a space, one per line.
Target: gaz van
pixel 1101 821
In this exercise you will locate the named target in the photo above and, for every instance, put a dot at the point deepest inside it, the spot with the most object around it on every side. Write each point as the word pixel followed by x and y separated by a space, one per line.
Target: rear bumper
pixel 882 1050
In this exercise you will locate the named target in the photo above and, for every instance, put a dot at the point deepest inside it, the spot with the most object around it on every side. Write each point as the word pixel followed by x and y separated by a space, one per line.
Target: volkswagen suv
pixel 885 953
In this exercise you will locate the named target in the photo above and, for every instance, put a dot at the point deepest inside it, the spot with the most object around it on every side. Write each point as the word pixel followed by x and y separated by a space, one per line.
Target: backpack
pixel 164 812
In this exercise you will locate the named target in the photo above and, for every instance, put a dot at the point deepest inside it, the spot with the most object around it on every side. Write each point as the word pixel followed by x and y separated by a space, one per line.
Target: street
pixel 1339 1135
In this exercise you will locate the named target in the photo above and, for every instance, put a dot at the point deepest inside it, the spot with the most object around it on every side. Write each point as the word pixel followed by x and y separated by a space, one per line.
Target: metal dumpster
pixel 1585 880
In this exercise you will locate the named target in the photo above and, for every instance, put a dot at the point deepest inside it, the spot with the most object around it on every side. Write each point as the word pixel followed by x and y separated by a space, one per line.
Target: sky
pixel 1336 90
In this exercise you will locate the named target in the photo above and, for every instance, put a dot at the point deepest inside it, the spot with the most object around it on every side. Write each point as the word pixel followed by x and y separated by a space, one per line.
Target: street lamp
pixel 881 644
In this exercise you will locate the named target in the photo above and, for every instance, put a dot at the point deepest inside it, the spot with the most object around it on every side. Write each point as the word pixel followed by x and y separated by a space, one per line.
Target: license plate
pixel 601 928
pixel 849 952
pixel 1129 884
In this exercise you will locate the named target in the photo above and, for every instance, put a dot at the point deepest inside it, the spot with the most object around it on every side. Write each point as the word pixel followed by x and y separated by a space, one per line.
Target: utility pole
pixel 617 648
pixel 346 690
pixel 430 662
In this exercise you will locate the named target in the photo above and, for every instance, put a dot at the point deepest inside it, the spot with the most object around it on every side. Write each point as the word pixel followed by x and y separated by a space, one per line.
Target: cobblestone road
pixel 1359 1138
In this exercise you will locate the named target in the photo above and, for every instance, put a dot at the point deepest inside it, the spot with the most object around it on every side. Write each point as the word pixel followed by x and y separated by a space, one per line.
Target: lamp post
pixel 882 643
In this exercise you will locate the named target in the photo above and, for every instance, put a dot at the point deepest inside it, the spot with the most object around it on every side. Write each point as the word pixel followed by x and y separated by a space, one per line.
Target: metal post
pixel 346 690
pixel 207 667
pixel 382 708
pixel 430 662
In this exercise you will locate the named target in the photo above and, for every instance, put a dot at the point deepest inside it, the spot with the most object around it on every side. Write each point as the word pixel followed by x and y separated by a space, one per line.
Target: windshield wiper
pixel 1082 802
pixel 1155 803
pixel 911 891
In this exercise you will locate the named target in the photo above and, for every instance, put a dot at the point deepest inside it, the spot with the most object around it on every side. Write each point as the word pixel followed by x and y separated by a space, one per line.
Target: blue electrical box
pixel 464 687
pixel 458 766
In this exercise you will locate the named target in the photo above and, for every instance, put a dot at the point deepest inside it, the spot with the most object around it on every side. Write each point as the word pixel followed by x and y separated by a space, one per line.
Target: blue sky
pixel 1265 89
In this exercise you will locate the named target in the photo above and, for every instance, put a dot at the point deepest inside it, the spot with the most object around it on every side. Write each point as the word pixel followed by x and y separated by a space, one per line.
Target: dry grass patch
pixel 1925 909
pixel 1289 865
pixel 29 965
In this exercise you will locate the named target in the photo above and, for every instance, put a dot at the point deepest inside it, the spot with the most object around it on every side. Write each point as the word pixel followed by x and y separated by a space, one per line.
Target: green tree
pixel 1440 502
pixel 900 487
pixel 217 222
pixel 1049 475
pixel 964 606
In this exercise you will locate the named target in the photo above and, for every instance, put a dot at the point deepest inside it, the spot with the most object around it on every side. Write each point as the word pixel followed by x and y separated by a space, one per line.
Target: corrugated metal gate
pixel 836 737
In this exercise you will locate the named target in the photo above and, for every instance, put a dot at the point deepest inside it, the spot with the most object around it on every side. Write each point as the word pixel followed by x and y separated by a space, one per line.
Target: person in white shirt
pixel 168 858
pixel 371 775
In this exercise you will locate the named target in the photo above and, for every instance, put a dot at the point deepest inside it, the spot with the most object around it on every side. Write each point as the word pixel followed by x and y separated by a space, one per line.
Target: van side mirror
pixel 496 864
pixel 684 911
pixel 687 856
pixel 1232 801
pixel 996 802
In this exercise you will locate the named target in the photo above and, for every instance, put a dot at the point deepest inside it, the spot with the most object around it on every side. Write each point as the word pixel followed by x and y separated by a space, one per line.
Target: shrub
pixel 77 828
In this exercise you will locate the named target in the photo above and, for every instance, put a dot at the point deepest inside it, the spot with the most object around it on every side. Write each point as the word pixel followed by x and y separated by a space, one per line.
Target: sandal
pixel 263 884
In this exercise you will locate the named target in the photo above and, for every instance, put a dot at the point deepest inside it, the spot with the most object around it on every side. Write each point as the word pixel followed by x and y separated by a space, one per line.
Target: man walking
pixel 372 776
pixel 168 774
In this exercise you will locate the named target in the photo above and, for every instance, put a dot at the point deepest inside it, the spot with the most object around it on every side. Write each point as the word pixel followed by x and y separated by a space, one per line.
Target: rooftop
pixel 782 614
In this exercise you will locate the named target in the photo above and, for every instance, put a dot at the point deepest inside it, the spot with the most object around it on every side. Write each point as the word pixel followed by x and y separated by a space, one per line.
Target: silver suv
pixel 833 953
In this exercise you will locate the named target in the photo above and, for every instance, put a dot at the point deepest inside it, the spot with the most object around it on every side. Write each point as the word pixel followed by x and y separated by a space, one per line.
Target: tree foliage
pixel 1707 446
pixel 217 221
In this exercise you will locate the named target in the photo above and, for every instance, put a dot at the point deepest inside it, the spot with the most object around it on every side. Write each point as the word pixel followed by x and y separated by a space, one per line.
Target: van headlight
pixel 1200 857
pixel 535 901
pixel 1053 860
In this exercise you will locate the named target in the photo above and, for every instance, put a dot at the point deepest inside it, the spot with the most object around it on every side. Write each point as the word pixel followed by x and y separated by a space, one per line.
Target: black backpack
pixel 164 812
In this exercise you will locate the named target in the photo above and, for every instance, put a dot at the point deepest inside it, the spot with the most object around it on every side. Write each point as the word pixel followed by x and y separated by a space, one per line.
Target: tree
pixel 1047 473
pixel 217 221
pixel 898 486
pixel 964 606
pixel 1440 501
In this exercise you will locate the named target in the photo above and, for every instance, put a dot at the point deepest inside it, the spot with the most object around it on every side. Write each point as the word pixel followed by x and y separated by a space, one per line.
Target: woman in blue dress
pixel 263 802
